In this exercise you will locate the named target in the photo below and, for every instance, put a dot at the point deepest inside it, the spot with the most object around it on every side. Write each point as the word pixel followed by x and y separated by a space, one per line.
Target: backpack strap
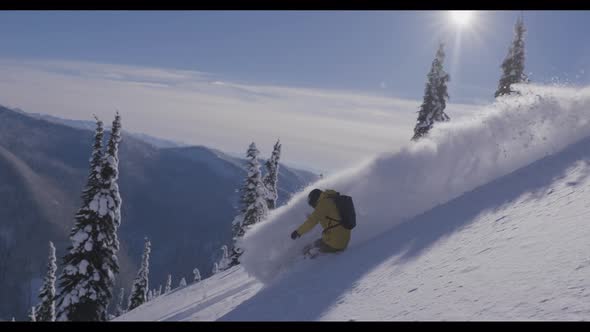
pixel 332 219
pixel 335 225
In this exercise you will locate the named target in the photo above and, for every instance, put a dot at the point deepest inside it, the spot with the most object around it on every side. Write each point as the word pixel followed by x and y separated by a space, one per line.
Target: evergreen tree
pixel 237 232
pixel 93 183
pixel 139 291
pixel 121 304
pixel 168 284
pixel 215 268
pixel 271 178
pixel 90 266
pixel 159 290
pixel 45 311
pixel 513 65
pixel 435 96
pixel 197 274
pixel 254 206
pixel 33 315
pixel 225 261
pixel 182 283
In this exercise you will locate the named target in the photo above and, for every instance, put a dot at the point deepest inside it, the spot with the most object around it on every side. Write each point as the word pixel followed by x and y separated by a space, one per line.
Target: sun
pixel 461 18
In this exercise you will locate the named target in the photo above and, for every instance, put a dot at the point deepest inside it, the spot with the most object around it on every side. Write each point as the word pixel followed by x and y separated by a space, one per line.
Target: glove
pixel 295 235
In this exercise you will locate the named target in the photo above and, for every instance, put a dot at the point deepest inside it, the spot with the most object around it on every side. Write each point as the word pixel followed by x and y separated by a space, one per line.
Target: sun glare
pixel 461 18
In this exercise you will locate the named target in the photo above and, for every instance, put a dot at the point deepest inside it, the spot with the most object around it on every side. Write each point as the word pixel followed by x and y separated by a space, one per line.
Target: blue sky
pixel 376 53
pixel 356 50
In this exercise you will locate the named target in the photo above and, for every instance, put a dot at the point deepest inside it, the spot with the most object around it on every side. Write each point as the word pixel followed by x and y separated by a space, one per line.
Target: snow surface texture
pixel 455 158
pixel 206 300
pixel 515 249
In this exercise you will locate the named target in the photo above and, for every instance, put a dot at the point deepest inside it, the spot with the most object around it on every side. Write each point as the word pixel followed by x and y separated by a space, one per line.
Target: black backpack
pixel 346 208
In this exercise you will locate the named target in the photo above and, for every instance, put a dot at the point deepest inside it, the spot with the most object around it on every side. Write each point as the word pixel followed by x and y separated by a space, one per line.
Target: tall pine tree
pixel 197 275
pixel 168 287
pixel 254 206
pixel 140 289
pixel 435 97
pixel 225 262
pixel 121 304
pixel 93 184
pixel 32 315
pixel 45 310
pixel 271 178
pixel 90 266
pixel 513 65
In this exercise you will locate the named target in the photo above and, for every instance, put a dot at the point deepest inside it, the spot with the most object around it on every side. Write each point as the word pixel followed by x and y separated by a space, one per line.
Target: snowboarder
pixel 335 237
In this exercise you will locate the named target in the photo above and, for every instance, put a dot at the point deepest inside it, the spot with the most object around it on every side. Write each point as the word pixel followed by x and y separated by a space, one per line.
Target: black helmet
pixel 312 198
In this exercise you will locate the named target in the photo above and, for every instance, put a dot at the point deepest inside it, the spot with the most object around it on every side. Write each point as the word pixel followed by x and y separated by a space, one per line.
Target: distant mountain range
pixel 90 125
pixel 182 197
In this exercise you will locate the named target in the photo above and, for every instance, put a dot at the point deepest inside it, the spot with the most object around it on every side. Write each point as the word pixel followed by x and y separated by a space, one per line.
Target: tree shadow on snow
pixel 307 293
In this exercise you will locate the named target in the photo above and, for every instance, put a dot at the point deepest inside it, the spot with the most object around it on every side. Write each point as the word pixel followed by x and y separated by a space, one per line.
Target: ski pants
pixel 323 247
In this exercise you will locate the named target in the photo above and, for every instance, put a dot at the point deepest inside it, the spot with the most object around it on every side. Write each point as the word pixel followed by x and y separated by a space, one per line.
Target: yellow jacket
pixel 327 215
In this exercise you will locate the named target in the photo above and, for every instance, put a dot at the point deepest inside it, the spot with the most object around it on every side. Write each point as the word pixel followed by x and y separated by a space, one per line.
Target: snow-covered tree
pixel 93 183
pixel 45 311
pixel 225 261
pixel 121 304
pixel 139 291
pixel 33 315
pixel 435 97
pixel 215 268
pixel 197 275
pixel 91 263
pixel 182 282
pixel 150 295
pixel 271 177
pixel 159 290
pixel 237 232
pixel 513 64
pixel 253 203
pixel 254 206
pixel 168 284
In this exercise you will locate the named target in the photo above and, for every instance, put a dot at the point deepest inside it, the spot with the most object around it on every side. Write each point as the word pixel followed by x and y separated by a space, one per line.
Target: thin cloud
pixel 325 129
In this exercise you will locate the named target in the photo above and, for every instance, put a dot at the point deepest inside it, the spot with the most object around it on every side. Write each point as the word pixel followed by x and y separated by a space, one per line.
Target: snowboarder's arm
pixel 310 223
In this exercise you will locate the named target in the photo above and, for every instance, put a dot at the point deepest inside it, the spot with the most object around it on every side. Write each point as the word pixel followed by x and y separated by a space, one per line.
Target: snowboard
pixel 311 252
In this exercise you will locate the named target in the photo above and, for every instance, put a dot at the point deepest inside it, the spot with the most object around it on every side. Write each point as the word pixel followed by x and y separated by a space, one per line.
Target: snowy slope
pixel 457 157
pixel 515 249
pixel 203 301
pixel 486 220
